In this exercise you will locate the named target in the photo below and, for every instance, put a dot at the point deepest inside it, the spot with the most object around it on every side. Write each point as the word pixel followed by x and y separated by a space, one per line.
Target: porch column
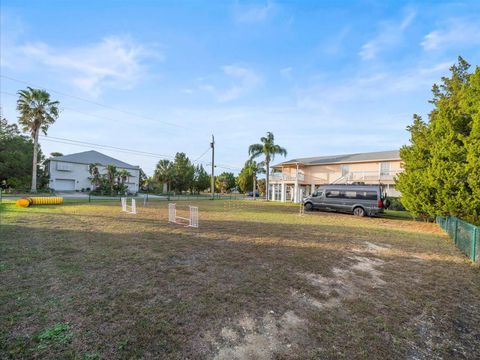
pixel 295 191
pixel 273 191
pixel 313 189
pixel 282 195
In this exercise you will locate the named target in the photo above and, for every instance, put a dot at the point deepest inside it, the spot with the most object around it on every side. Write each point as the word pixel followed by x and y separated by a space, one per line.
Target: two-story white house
pixel 71 172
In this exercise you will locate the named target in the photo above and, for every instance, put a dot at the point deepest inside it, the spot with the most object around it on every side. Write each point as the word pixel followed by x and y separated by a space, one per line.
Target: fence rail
pixel 75 197
pixel 465 235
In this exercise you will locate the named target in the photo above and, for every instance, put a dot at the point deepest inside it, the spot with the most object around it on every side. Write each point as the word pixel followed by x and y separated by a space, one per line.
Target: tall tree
pixel 183 172
pixel 164 173
pixel 201 179
pixel 248 175
pixel 37 112
pixel 244 180
pixel 442 162
pixel 122 177
pixel 16 154
pixel 225 182
pixel 472 103
pixel 96 177
pixel 268 149
pixel 261 186
pixel 111 176
pixel 143 180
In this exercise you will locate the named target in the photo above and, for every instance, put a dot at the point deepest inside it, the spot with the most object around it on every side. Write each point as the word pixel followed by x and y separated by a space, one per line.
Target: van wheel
pixel 308 207
pixel 358 211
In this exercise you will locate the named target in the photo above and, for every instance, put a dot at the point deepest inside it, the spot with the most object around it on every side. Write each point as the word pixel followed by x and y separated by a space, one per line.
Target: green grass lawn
pixel 255 281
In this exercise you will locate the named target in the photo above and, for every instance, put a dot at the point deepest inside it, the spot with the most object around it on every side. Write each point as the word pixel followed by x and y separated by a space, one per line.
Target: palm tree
pixel 111 175
pixel 122 176
pixel 254 169
pixel 96 178
pixel 269 149
pixel 164 172
pixel 37 113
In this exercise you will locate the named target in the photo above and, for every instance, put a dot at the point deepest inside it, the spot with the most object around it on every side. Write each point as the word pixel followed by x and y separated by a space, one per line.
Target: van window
pixel 333 194
pixel 351 194
pixel 367 195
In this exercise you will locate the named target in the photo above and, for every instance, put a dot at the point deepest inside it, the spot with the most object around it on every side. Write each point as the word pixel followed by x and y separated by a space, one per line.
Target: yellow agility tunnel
pixel 26 202
pixel 47 200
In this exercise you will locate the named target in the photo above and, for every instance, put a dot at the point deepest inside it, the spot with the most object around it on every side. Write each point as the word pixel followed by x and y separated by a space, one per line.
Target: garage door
pixel 64 184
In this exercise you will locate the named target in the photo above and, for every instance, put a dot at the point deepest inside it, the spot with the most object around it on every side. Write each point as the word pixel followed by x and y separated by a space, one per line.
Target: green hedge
pixel 396 204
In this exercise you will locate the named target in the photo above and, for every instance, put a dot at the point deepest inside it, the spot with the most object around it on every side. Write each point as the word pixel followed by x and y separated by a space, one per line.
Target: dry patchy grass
pixel 255 281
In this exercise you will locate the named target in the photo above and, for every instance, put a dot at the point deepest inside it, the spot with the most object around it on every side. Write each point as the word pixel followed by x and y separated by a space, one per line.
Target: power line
pixel 208 149
pixel 86 114
pixel 84 144
pixel 119 149
pixel 94 102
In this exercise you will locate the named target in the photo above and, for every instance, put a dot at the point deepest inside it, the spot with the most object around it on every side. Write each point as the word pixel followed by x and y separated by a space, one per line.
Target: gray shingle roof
pixel 346 158
pixel 93 157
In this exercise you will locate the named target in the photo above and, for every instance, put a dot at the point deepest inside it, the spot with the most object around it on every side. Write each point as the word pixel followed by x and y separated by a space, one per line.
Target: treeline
pixel 16 158
pixel 442 164
pixel 181 175
pixel 178 176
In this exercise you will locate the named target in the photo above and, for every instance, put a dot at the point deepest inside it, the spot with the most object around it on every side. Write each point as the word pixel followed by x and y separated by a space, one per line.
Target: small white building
pixel 71 172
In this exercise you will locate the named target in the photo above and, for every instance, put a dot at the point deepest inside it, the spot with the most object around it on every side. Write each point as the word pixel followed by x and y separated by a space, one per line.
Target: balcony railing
pixel 287 177
pixel 366 176
pixel 353 176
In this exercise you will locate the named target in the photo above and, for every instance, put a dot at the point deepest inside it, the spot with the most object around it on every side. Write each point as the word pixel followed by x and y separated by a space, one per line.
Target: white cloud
pixel 456 32
pixel 243 81
pixel 286 72
pixel 378 87
pixel 114 62
pixel 391 34
pixel 250 14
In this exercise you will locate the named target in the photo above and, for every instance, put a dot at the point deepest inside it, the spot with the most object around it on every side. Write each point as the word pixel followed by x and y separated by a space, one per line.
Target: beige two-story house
pixel 292 180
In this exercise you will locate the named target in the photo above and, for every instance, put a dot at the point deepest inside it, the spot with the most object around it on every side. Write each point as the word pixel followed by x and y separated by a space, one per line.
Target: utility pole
pixel 212 185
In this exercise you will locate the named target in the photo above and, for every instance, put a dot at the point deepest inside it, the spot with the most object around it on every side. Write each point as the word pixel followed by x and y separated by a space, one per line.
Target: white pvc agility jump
pixel 192 219
pixel 132 209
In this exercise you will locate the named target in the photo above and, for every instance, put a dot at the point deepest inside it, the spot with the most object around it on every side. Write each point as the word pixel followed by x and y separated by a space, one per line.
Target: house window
pixel 64 166
pixel 384 169
pixel 345 170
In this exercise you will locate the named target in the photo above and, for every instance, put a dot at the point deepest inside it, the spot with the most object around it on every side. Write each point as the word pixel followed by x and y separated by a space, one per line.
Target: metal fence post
pixel 455 232
pixel 474 243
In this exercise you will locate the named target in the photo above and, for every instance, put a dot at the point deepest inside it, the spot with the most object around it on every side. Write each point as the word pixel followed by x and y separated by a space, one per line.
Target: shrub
pixel 396 204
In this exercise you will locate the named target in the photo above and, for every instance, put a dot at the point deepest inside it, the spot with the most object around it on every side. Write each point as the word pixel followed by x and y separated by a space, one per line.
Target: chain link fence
pixel 465 235
pixel 82 197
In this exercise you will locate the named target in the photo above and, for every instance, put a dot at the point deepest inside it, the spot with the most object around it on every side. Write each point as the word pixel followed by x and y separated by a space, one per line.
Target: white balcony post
pixel 295 193
pixel 282 195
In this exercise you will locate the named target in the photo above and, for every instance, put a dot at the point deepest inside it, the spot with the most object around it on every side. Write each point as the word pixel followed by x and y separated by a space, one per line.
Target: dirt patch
pixel 372 248
pixel 345 283
pixel 267 338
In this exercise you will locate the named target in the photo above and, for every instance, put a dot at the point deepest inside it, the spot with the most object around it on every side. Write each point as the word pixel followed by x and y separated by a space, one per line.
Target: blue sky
pixel 326 77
